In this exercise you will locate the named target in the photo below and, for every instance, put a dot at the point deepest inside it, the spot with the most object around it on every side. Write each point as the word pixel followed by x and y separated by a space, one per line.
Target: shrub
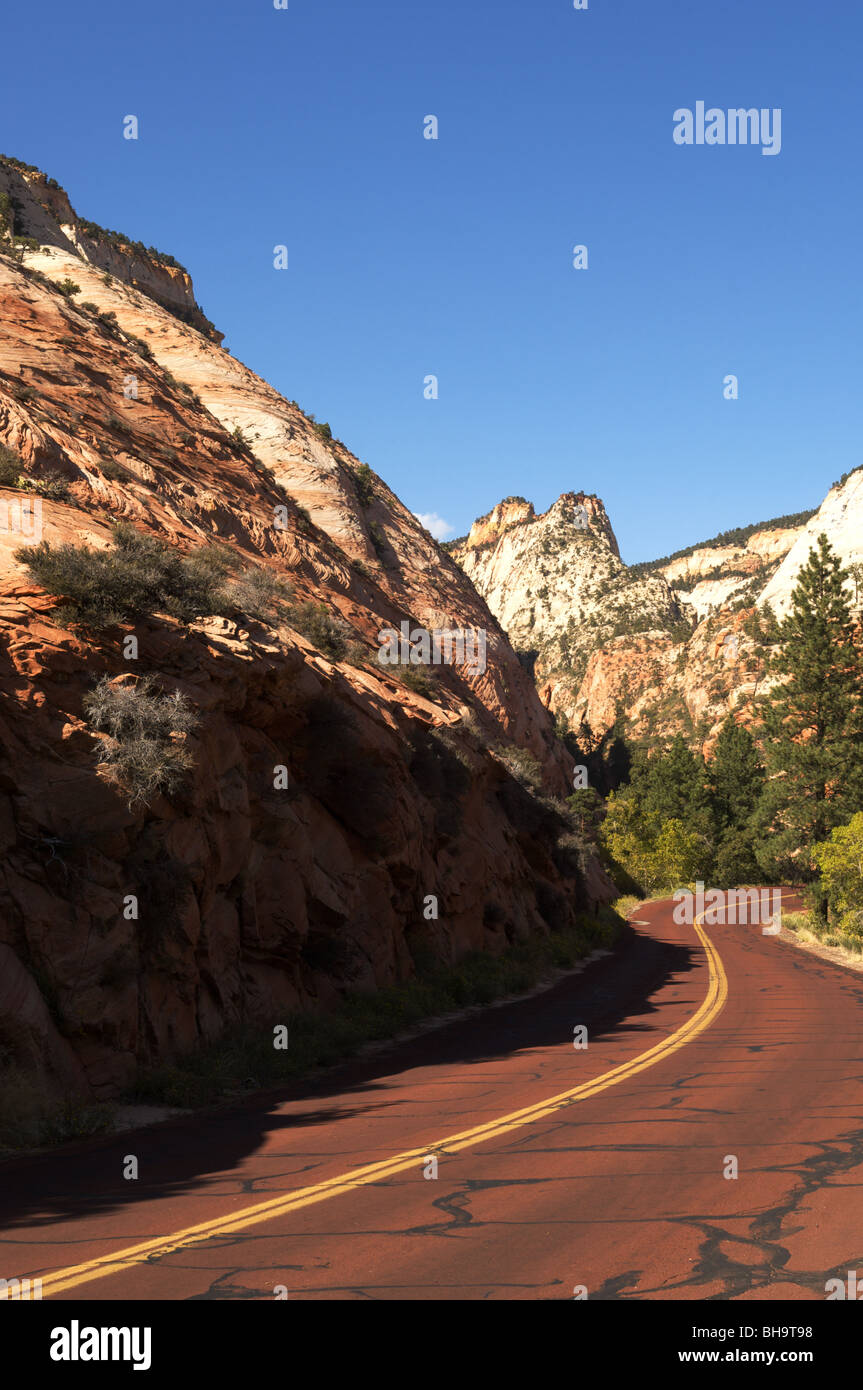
pixel 67 287
pixel 113 470
pixel 378 540
pixel 315 621
pixel 89 306
pixel 415 678
pixel 10 467
pixel 139 575
pixel 364 480
pixel 259 593
pixel 141 346
pixel 523 766
pixel 324 431
pixel 51 485
pixel 141 723
pixel 840 860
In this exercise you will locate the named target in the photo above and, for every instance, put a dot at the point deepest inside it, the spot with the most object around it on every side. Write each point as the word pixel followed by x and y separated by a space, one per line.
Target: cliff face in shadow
pixel 336 817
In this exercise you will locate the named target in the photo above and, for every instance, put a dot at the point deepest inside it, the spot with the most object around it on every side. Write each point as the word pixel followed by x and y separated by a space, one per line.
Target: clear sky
pixel 408 257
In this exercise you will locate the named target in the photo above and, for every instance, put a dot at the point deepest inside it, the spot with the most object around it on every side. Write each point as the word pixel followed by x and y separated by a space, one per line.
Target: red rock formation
pixel 251 900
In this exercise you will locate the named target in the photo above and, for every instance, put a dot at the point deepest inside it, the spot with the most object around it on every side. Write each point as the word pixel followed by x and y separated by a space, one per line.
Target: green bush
pixel 840 860
pixel 113 470
pixel 10 467
pixel 416 678
pixel 523 767
pixel 51 485
pixel 138 575
pixel 314 621
pixel 364 481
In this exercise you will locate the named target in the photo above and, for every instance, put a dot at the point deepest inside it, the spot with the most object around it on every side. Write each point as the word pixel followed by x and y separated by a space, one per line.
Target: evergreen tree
pixel 813 720
pixel 735 776
pixel 673 785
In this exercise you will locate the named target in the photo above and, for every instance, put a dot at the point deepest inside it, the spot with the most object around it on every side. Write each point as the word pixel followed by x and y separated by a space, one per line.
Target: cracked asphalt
pixel 621 1192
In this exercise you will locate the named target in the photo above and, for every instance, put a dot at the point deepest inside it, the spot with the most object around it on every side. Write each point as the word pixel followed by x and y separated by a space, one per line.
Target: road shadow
pixel 193 1152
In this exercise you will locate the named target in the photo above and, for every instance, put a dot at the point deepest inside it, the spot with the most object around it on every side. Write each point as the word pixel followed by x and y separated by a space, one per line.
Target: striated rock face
pixel 251 897
pixel 39 210
pixel 711 576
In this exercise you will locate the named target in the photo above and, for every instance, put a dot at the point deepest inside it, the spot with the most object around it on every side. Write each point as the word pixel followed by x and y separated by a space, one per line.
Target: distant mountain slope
pixel 664 646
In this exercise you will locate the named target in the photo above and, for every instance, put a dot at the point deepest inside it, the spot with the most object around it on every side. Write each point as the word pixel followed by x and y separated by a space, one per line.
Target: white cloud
pixel 439 528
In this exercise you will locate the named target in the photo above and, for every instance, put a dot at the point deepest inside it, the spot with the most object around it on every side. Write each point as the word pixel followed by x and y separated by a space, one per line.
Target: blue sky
pixel 409 257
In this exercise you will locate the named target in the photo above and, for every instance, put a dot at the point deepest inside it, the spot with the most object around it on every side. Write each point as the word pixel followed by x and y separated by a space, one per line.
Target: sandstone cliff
pixel 558 586
pixel 251 898
pixel 660 647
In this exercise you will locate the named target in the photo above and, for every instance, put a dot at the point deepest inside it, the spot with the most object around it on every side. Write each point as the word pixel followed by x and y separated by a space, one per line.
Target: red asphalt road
pixel 622 1192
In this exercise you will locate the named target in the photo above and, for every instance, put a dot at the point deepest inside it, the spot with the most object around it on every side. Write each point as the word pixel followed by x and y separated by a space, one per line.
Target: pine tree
pixel 813 720
pixel 735 775
pixel 736 778
pixel 673 785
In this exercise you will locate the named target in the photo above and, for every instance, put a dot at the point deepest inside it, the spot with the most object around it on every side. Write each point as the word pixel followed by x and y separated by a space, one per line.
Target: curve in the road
pixel 105 1265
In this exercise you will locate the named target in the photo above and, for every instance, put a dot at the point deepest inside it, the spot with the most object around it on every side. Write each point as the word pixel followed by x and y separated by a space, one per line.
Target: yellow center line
pixel 152 1250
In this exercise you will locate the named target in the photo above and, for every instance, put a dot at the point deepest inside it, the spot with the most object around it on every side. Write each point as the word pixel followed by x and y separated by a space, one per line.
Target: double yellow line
pixel 152 1250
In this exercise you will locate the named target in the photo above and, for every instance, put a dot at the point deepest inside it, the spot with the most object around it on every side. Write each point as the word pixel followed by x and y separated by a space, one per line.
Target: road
pixel 558 1169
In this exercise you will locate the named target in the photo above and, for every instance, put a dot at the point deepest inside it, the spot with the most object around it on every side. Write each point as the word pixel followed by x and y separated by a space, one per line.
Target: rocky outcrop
pixel 664 647
pixel 40 211
pixel 559 588
pixel 709 577
pixel 137 933
pixel 840 518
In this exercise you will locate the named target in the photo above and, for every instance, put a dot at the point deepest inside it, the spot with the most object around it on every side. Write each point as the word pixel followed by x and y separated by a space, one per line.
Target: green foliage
pixel 656 854
pixel 315 621
pixel 114 471
pixel 674 785
pixel 840 861
pixel 736 861
pixel 364 481
pixel 522 765
pixel 840 482
pixel 67 287
pixel 259 593
pixel 587 810
pixel 141 723
pixel 10 467
pixel 124 243
pixel 812 720
pixel 378 540
pixel 416 678
pixel 138 575
pixel 735 775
